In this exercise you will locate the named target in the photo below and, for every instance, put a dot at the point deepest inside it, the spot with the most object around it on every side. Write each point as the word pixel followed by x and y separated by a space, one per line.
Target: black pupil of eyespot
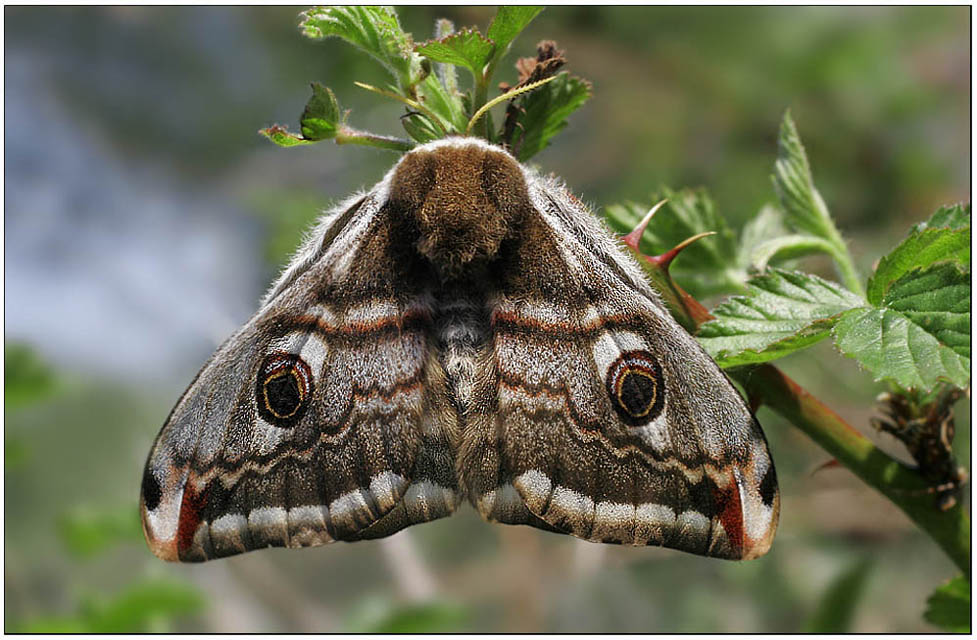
pixel 284 387
pixel 283 394
pixel 637 393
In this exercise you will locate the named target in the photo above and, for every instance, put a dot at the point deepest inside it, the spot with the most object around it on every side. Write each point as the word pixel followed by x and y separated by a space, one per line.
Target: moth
pixel 465 329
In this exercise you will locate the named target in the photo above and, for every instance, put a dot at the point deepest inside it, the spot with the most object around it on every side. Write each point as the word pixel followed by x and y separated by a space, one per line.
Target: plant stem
pixel 346 135
pixel 902 485
pixel 480 98
pixel 846 266
pixel 839 249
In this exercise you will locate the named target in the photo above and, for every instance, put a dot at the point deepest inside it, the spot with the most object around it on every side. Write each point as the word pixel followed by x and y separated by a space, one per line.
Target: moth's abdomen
pixel 463 199
pixel 463 337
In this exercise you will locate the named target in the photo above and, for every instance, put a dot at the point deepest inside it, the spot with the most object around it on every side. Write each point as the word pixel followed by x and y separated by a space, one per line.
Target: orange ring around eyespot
pixel 639 363
pixel 298 385
pixel 635 371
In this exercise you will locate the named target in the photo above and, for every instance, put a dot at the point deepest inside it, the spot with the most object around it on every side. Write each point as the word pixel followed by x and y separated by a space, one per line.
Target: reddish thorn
pixel 699 314
pixel 633 238
pixel 665 260
pixel 830 464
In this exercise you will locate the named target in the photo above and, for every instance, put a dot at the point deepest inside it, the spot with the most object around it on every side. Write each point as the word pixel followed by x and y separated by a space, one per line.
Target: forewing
pixel 605 419
pixel 324 418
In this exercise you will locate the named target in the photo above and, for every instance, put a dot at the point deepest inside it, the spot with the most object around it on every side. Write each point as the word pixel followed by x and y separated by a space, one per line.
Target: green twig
pixel 346 135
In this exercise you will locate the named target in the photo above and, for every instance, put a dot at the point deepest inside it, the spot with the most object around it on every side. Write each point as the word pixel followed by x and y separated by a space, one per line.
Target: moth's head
pixel 463 197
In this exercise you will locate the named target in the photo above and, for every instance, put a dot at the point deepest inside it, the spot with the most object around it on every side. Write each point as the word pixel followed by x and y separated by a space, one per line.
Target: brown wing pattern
pixel 324 418
pixel 604 418
pixel 465 328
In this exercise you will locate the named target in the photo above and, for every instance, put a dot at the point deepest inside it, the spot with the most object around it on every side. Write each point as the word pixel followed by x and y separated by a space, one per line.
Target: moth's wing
pixel 602 418
pixel 324 418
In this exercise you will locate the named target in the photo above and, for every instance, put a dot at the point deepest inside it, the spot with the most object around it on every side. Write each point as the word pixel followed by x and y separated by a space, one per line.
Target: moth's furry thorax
pixel 462 199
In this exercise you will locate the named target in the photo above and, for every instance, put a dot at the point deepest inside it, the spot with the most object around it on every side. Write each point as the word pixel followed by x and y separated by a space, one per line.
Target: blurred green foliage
pixel 86 531
pixel 27 377
pixel 286 216
pixel 378 615
pixel 841 599
pixel 143 607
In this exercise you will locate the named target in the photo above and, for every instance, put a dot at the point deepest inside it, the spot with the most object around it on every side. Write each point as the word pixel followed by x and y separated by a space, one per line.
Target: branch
pixel 347 135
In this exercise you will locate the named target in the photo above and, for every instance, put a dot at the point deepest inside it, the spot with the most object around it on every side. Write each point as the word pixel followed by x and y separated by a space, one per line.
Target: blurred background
pixel 145 217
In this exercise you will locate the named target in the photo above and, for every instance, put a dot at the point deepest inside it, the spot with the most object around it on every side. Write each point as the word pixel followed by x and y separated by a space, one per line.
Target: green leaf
pixel 320 119
pixel 955 216
pixel 802 204
pixel 374 30
pixel 140 608
pixel 786 248
pixel 444 103
pixel 783 312
pixel 949 606
pixel 690 212
pixel 420 128
pixel 86 531
pixel 920 332
pixel 466 48
pixel 280 135
pixel 836 609
pixel 928 243
pixel 706 267
pixel 508 23
pixel 767 224
pixel 545 112
pixel 766 241
pixel 27 378
pixel 794 184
